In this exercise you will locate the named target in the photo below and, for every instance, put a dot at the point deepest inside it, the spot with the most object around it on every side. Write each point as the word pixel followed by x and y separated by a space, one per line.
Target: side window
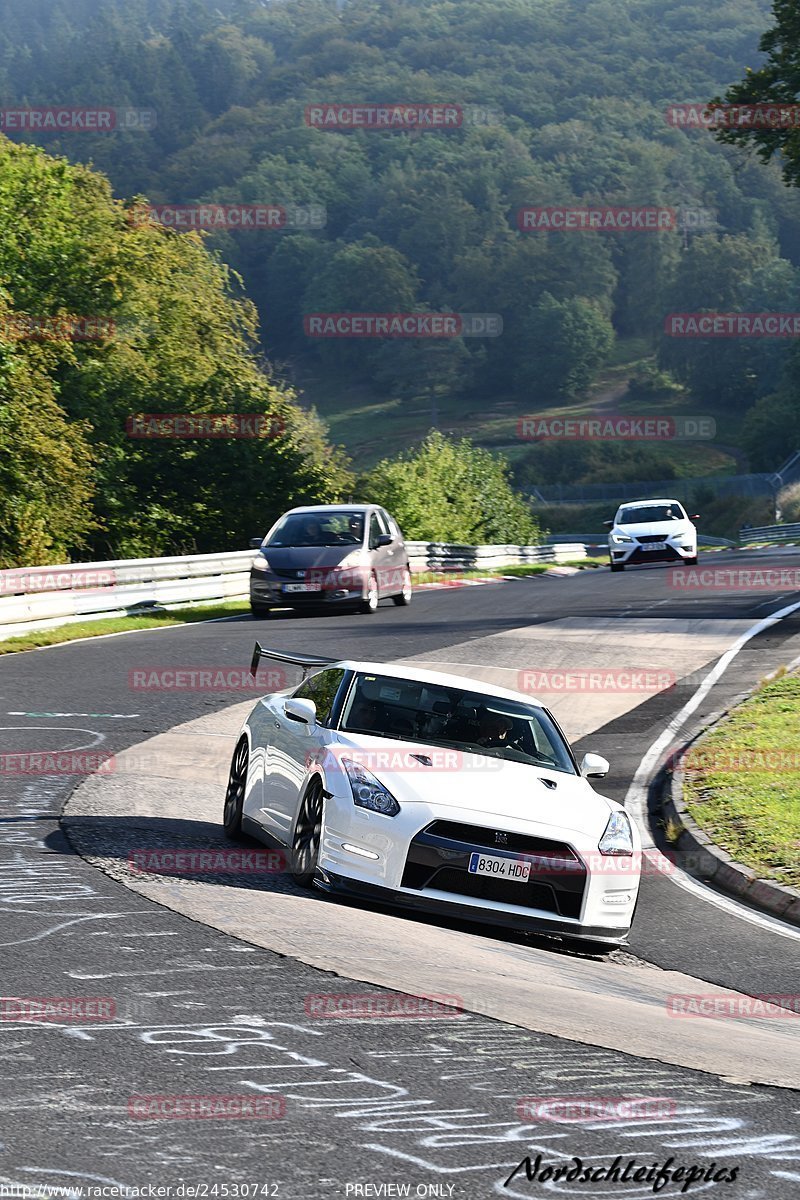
pixel 394 528
pixel 374 531
pixel 322 689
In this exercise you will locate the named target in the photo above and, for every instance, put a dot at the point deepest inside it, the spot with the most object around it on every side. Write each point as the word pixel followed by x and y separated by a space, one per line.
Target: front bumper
pixel 505 919
pixel 269 592
pixel 637 552
pixel 419 860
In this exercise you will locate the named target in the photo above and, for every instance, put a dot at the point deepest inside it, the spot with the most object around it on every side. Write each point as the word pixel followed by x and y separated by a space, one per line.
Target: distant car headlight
pixel 260 563
pixel 618 838
pixel 621 537
pixel 369 792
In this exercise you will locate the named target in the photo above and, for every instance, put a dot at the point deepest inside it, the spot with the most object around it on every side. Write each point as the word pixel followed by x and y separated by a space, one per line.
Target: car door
pixel 381 557
pixel 293 747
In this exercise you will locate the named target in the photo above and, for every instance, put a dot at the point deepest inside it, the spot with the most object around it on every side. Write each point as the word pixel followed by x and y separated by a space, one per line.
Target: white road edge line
pixel 636 796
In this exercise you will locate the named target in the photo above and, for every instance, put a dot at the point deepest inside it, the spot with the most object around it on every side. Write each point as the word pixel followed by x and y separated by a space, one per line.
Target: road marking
pixel 111 716
pixel 636 797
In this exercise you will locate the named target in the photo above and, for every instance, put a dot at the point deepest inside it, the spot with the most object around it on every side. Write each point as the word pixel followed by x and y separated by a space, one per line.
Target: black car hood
pixel 287 558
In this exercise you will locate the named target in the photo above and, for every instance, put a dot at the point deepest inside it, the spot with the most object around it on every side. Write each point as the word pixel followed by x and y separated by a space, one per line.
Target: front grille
pixel 668 554
pixel 523 843
pixel 439 857
pixel 503 891
pixel 652 537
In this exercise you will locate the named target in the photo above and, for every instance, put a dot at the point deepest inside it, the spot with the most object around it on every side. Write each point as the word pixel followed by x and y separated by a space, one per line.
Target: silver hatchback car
pixel 330 555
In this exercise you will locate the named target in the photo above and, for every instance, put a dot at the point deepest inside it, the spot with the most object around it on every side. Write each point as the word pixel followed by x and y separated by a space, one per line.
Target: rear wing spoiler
pixel 306 661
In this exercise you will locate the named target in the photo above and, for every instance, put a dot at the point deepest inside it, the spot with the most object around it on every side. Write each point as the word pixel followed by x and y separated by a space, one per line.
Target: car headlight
pixel 260 563
pixel 621 537
pixel 617 838
pixel 369 792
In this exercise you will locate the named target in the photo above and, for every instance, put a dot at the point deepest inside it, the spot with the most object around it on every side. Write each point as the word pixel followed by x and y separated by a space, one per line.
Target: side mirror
pixel 608 524
pixel 304 711
pixel 594 766
pixel 255 543
pixel 384 539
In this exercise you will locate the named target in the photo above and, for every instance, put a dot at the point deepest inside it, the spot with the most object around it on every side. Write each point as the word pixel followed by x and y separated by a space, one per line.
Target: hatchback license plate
pixel 302 587
pixel 654 546
pixel 515 869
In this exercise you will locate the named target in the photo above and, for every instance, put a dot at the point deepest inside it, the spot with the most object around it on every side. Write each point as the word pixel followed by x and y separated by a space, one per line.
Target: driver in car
pixel 312 532
pixel 493 729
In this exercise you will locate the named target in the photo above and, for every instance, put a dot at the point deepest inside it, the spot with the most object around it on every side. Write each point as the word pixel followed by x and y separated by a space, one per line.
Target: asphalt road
pixel 197 1012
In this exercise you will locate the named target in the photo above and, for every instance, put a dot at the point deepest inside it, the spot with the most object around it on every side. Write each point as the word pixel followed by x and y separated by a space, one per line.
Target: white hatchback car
pixel 651 531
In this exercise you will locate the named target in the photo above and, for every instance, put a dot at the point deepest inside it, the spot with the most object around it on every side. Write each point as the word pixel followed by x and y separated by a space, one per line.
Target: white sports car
pixel 646 531
pixel 419 789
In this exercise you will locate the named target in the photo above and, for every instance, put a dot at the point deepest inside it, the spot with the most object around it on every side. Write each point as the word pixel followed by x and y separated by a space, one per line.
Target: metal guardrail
pixel 447 556
pixel 770 533
pixel 38 597
pixel 54 595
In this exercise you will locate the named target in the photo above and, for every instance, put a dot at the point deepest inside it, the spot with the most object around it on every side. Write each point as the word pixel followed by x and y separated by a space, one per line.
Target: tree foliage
pixel 170 335
pixel 449 490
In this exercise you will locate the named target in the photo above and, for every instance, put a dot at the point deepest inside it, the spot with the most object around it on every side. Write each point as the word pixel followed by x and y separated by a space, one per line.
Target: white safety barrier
pixel 38 597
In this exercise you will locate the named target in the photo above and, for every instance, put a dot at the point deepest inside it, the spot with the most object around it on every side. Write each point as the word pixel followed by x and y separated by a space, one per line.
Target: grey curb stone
pixel 695 853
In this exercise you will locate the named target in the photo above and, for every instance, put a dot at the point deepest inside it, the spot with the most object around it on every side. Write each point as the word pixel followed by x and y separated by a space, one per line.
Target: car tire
pixel 403 598
pixel 234 795
pixel 691 562
pixel 306 839
pixel 259 611
pixel 370 602
pixel 617 566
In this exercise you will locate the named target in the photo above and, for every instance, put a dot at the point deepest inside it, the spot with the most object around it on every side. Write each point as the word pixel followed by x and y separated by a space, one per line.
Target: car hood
pixel 476 783
pixel 287 558
pixel 664 528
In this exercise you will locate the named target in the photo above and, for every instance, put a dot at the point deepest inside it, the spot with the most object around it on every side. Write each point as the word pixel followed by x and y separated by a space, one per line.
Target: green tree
pixel 567 340
pixel 451 491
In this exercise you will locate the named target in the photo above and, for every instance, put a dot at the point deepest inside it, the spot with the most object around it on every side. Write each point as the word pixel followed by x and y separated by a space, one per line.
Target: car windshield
pixel 643 514
pixel 319 529
pixel 436 715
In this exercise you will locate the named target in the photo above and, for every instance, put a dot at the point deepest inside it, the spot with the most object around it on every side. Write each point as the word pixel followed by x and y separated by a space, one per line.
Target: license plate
pixel 515 869
pixel 653 546
pixel 302 587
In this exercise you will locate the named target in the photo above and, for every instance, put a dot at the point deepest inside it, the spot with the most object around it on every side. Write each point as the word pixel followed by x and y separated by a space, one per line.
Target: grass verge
pixel 95 628
pixel 742 782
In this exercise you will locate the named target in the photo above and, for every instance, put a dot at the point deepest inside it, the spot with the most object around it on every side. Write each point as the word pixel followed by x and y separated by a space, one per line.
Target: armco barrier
pixel 769 533
pixel 118 587
pixel 445 556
